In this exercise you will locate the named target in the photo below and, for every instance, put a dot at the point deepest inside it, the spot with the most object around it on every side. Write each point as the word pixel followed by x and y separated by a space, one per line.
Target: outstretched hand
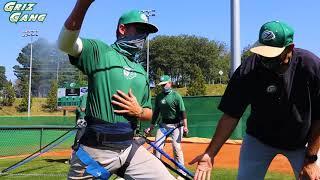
pixel 204 166
pixel 128 103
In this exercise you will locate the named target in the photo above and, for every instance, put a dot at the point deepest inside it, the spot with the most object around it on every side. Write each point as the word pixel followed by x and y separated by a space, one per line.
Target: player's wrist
pixel 140 113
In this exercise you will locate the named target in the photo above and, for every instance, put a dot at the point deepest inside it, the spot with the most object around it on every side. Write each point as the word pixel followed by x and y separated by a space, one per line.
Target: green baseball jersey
pixel 170 106
pixel 83 102
pixel 109 71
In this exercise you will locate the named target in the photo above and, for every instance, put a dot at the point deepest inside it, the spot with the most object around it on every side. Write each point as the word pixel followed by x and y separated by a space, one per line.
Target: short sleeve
pixel 235 98
pixel 180 102
pixel 90 55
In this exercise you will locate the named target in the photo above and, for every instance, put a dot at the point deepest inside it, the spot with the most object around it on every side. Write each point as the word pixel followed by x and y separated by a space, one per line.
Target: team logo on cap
pixel 267 35
pixel 128 73
pixel 271 89
pixel 144 17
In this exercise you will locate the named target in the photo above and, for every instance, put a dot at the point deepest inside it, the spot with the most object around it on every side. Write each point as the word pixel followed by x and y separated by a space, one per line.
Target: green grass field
pixel 53 168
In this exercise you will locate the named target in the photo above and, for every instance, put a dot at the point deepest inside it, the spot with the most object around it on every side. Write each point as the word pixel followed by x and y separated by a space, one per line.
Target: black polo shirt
pixel 282 105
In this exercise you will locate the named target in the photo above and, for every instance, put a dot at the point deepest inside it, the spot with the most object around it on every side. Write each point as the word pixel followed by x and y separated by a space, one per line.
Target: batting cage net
pixel 19 145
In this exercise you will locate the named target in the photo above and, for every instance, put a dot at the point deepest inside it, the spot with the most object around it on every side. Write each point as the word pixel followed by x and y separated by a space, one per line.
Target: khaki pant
pixel 143 165
pixel 176 136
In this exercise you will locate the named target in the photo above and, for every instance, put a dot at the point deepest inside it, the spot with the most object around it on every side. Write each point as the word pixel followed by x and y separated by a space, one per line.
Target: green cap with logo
pixel 136 16
pixel 164 80
pixel 274 37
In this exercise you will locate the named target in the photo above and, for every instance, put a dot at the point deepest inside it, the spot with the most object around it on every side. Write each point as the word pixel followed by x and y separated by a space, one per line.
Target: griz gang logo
pixel 22 12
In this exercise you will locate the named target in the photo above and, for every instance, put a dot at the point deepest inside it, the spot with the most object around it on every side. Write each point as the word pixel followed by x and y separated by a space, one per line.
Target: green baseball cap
pixel 164 80
pixel 274 37
pixel 136 16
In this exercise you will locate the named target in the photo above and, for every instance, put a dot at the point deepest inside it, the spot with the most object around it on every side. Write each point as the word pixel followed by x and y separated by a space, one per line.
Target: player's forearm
pixel 314 140
pixel 146 115
pixel 68 40
pixel 75 19
pixel 185 122
pixel 184 118
pixel 224 129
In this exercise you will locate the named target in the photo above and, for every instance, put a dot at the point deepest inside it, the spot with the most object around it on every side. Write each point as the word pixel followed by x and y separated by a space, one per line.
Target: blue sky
pixel 205 18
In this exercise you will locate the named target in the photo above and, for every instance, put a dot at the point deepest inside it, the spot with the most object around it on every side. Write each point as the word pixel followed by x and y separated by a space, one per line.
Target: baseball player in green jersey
pixel 170 105
pixel 118 95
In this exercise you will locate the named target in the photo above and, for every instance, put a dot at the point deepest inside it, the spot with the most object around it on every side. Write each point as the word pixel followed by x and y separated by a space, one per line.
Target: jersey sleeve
pixel 180 102
pixel 89 57
pixel 235 98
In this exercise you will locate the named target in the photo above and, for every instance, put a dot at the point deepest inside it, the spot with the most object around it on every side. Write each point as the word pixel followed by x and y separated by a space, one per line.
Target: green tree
pixel 246 53
pixel 3 78
pixel 8 94
pixel 157 88
pixel 197 85
pixel 48 63
pixel 175 55
pixel 23 106
pixel 52 97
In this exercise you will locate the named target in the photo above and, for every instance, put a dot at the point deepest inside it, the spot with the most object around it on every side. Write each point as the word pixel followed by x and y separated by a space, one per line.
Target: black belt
pixel 92 138
pixel 171 121
pixel 101 137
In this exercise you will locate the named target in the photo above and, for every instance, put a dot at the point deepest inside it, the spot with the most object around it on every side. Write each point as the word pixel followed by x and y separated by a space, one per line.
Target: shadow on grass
pixel 64 161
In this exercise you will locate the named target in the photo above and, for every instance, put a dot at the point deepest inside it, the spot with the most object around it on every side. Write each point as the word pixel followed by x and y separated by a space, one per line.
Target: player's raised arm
pixel 69 40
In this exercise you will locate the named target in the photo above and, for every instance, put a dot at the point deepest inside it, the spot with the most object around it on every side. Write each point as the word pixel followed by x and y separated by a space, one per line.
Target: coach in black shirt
pixel 282 85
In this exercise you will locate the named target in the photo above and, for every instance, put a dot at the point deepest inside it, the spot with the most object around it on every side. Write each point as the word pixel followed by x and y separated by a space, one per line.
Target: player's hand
pixel 128 103
pixel 204 166
pixel 310 171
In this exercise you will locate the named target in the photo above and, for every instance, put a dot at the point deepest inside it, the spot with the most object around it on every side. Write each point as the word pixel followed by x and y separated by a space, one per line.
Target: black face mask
pixel 273 64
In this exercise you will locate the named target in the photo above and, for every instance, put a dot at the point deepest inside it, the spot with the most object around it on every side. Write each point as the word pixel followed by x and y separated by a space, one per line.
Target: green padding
pixel 203 116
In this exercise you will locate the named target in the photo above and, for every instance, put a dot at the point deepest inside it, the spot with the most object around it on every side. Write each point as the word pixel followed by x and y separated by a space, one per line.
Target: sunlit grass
pixel 54 168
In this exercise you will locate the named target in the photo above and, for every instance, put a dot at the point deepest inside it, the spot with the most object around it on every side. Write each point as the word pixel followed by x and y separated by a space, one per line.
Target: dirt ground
pixel 228 157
